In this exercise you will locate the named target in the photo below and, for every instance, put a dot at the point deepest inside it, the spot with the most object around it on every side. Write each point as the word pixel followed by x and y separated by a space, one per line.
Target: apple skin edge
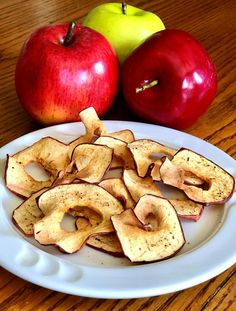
pixel 187 79
pixel 55 82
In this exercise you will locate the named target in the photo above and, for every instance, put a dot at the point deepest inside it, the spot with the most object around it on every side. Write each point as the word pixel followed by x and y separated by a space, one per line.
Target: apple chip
pixel 87 218
pixel 89 163
pixel 124 135
pixel 220 184
pixel 187 209
pixel 92 161
pixel 139 186
pixel 147 155
pixel 93 126
pixel 120 149
pixel 117 188
pixel 57 201
pixel 151 231
pixel 28 213
pixel 49 152
pixel 107 243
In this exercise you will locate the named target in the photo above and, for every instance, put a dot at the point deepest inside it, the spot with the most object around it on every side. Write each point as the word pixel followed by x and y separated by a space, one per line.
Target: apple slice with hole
pixel 56 202
pixel 50 153
pixel 151 231
pixel 218 184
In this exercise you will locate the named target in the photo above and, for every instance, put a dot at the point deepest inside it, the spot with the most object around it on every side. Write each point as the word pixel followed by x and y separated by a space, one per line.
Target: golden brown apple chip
pixel 28 213
pixel 151 231
pixel 117 188
pixel 57 201
pixel 220 184
pixel 87 218
pixel 89 163
pixel 124 135
pixel 93 127
pixel 187 209
pixel 92 161
pixel 139 186
pixel 120 149
pixel 107 243
pixel 147 155
pixel 49 152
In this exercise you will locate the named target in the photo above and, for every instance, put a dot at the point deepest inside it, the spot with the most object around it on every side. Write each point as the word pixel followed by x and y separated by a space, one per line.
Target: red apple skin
pixel 187 79
pixel 54 83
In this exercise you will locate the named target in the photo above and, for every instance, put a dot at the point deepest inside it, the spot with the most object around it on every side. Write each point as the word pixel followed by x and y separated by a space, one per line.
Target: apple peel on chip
pixel 57 201
pixel 150 232
pixel 218 186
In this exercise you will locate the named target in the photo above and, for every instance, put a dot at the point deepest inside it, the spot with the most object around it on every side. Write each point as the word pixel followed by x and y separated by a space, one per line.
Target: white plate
pixel 209 249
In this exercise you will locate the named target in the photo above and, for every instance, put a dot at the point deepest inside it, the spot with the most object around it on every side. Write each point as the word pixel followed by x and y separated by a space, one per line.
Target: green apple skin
pixel 125 32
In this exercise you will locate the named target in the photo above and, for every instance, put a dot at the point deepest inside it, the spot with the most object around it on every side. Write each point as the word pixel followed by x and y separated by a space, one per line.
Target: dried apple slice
pixel 146 154
pixel 87 218
pixel 107 243
pixel 49 152
pixel 92 161
pixel 187 209
pixel 220 183
pixel 120 149
pixel 139 186
pixel 89 163
pixel 124 135
pixel 117 188
pixel 28 213
pixel 93 126
pixel 151 231
pixel 57 201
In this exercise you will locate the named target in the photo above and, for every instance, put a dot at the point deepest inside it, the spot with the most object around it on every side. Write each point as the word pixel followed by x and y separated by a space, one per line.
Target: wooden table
pixel 213 23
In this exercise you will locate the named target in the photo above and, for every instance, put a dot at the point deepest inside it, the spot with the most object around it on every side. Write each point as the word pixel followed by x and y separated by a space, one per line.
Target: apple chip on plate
pixel 147 155
pixel 121 152
pixel 49 152
pixel 151 231
pixel 118 189
pixel 28 213
pixel 57 201
pixel 93 126
pixel 218 186
pixel 139 186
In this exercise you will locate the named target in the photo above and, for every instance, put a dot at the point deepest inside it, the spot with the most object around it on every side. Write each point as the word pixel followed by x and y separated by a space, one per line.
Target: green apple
pixel 124 26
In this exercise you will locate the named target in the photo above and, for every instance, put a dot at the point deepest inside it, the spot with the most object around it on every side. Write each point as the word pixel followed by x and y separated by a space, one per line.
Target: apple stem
pixel 146 86
pixel 124 8
pixel 69 35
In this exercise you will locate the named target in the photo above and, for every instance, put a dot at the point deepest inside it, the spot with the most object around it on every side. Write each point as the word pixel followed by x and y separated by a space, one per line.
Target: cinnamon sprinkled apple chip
pixel 121 152
pixel 49 152
pixel 117 188
pixel 57 201
pixel 220 184
pixel 147 155
pixel 151 231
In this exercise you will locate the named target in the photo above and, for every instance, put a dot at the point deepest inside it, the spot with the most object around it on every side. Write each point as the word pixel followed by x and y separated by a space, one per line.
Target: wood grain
pixel 212 22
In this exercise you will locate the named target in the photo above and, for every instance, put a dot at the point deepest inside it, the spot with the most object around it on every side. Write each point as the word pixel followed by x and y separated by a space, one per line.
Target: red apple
pixel 61 72
pixel 169 79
